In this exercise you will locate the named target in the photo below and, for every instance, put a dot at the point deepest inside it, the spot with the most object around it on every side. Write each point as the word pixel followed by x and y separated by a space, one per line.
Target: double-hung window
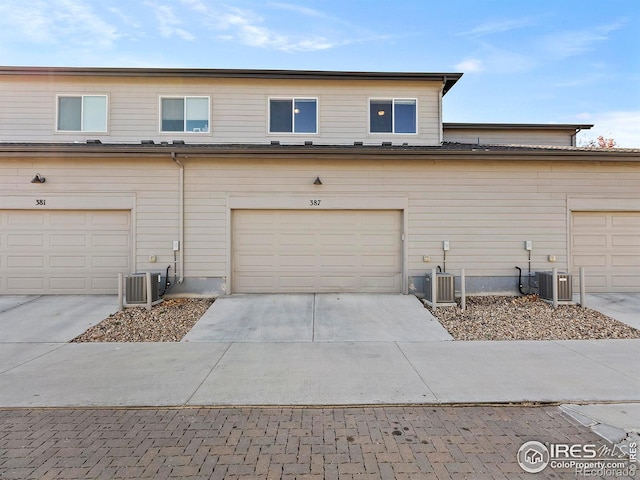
pixel 184 114
pixel 293 115
pixel 82 113
pixel 396 115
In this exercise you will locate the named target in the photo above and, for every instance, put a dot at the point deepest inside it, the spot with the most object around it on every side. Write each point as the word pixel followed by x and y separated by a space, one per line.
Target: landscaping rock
pixel 528 318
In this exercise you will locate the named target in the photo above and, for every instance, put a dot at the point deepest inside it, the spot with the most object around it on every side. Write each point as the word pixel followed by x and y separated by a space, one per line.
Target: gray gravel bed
pixel 528 318
pixel 168 321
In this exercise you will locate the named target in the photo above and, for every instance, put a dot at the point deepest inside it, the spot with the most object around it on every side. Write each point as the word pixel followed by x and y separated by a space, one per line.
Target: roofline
pixel 470 152
pixel 448 79
pixel 517 126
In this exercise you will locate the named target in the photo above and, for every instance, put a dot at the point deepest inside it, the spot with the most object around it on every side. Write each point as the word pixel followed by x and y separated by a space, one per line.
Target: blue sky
pixel 542 61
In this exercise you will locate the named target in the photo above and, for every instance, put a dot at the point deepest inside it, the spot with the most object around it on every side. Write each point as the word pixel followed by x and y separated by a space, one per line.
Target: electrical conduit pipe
pixel 174 157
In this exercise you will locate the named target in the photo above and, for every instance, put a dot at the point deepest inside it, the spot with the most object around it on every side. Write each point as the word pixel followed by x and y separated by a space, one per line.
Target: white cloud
pixel 248 28
pixel 55 22
pixel 470 65
pixel 169 23
pixel 575 42
pixel 622 126
pixel 498 26
pixel 310 12
pixel 491 59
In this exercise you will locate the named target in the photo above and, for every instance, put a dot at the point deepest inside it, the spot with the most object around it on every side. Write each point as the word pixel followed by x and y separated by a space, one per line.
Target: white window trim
pixel 293 100
pixel 82 96
pixel 393 120
pixel 184 97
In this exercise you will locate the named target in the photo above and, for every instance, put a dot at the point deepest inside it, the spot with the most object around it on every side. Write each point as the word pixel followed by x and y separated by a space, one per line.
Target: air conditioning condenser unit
pixel 445 288
pixel 545 286
pixel 136 288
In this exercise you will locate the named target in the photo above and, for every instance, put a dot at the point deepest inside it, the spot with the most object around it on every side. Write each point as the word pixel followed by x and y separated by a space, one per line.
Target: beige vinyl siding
pixel 153 184
pixel 486 209
pixel 510 137
pixel 238 109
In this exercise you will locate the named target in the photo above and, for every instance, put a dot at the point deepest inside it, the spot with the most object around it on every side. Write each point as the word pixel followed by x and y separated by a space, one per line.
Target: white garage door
pixel 279 251
pixel 57 252
pixel 607 244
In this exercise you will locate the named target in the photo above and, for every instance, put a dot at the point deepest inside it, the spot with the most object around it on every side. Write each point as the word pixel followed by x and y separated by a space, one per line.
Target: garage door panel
pixel 104 283
pixel 256 281
pixel 295 239
pixel 294 283
pixel 388 219
pixel 25 219
pixel 590 241
pixel 299 261
pixel 592 219
pixel 255 239
pixel 70 219
pixel 110 220
pixel 625 241
pixel 379 261
pixel 613 260
pixel 338 283
pixel 317 251
pixel 251 261
pixel 379 240
pixel 18 284
pixel 590 260
pixel 98 261
pixel 109 240
pixel 623 261
pixel 253 218
pixel 58 261
pixel 626 221
pixel 59 240
pixel 337 262
pixel 19 261
pixel 339 239
pixel 391 283
pixel 35 240
pixel 624 281
pixel 67 284
pixel 56 251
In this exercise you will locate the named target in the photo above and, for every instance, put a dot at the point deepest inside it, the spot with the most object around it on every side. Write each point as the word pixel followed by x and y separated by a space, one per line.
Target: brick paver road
pixel 279 443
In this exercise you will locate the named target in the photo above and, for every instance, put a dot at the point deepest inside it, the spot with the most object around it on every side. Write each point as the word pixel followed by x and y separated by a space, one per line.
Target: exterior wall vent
pixel 136 288
pixel 445 288
pixel 545 286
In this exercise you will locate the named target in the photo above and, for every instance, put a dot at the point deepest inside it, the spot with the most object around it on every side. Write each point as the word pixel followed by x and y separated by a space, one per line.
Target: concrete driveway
pixel 624 307
pixel 317 318
pixel 51 318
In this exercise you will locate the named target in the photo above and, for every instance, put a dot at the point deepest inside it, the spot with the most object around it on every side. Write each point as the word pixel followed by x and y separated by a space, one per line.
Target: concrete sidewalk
pixel 321 373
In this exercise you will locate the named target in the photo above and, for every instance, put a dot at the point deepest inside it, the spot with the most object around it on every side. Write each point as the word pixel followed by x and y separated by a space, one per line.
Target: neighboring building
pixel 549 135
pixel 294 181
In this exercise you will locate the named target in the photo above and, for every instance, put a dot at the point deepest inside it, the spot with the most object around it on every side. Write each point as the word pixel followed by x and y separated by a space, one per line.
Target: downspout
pixel 174 157
pixel 440 121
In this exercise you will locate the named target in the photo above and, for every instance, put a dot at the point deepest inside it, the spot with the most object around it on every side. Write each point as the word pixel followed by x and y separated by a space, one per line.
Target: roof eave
pixel 106 150
pixel 516 126
pixel 448 79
